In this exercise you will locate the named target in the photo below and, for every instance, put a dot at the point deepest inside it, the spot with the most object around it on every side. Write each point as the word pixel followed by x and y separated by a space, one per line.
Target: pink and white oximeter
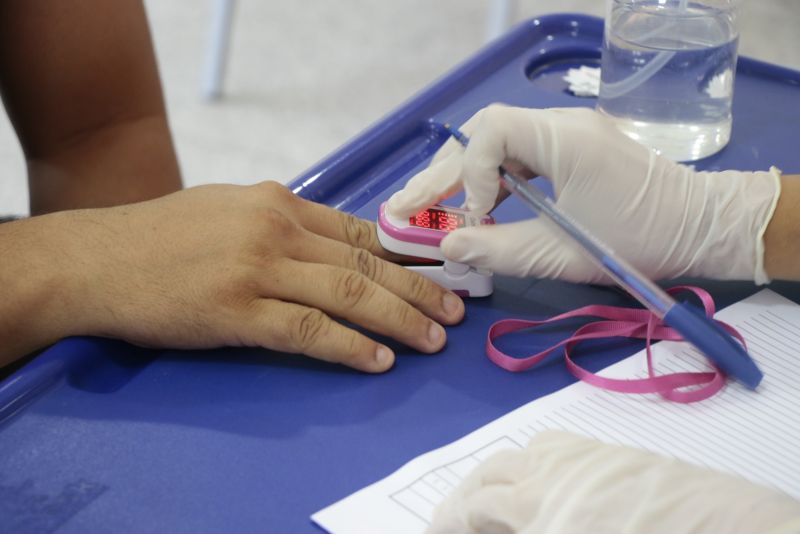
pixel 420 236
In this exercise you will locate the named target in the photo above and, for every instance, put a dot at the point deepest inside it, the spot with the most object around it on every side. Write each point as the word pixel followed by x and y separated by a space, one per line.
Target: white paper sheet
pixel 753 435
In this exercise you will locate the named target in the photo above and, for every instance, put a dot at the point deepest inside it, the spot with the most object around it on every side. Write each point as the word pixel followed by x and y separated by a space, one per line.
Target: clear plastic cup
pixel 667 73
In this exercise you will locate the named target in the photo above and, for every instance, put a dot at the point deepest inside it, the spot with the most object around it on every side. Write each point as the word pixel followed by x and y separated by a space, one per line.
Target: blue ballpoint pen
pixel 693 325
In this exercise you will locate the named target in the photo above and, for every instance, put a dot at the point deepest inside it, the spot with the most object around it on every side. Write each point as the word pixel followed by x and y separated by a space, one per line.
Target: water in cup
pixel 667 74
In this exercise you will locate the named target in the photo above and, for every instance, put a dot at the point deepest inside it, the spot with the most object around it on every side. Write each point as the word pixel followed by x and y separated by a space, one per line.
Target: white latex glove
pixel 563 484
pixel 665 218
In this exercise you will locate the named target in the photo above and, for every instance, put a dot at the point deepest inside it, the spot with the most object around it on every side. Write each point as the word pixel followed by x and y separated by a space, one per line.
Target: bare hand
pixel 228 265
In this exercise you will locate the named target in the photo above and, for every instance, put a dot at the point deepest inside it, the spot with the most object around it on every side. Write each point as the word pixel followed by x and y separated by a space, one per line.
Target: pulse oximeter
pixel 420 236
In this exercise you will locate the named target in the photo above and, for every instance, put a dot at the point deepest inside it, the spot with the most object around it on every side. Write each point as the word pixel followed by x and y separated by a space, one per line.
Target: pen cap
pixel 714 342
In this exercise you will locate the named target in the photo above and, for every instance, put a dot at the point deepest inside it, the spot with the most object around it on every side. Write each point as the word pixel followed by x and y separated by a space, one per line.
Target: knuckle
pixel 308 329
pixel 365 263
pixel 359 233
pixel 273 189
pixel 407 316
pixel 275 194
pixel 237 293
pixel 351 289
pixel 493 112
pixel 263 232
pixel 352 350
pixel 273 220
pixel 494 120
pixel 419 288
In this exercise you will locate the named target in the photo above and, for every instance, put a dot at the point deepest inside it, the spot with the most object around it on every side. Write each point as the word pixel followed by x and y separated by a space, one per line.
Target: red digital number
pixel 422 220
pixel 449 222
pixel 437 219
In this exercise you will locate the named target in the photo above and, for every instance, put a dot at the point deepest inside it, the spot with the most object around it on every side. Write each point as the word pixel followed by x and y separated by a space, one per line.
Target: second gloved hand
pixel 564 483
pixel 665 218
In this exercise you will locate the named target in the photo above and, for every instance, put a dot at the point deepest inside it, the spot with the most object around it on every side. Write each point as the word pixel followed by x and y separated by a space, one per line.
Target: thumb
pixel 527 248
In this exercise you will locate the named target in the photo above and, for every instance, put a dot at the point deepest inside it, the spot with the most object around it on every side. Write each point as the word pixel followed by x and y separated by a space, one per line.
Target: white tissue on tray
pixel 584 81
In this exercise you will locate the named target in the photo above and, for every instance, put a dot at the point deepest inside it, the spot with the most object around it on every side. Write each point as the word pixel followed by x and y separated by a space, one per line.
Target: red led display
pixel 437 219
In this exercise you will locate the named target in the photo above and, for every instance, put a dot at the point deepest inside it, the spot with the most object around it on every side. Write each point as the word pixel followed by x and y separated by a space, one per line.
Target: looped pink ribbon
pixel 620 322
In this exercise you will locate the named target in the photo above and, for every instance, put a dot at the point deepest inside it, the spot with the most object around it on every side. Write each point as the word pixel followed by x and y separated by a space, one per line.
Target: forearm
pixel 782 238
pixel 80 83
pixel 118 164
pixel 36 309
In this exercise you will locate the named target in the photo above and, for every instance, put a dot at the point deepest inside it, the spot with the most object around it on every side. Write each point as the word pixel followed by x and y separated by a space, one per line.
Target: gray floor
pixel 306 75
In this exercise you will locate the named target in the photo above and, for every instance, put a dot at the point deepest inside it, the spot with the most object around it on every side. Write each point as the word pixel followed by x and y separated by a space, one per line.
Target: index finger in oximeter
pixel 421 235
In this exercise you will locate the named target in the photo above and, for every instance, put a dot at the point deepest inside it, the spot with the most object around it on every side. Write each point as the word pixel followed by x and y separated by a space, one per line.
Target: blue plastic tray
pixel 99 436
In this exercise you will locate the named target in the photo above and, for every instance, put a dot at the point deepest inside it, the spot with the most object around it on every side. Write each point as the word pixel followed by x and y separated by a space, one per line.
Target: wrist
pixel 737 208
pixel 39 304
pixel 782 234
pixel 86 240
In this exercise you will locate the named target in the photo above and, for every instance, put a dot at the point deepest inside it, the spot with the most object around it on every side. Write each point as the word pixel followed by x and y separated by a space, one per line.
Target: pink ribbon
pixel 620 322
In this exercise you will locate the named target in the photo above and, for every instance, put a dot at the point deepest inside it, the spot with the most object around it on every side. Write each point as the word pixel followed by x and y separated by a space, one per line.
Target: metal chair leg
pixel 217 55
pixel 501 13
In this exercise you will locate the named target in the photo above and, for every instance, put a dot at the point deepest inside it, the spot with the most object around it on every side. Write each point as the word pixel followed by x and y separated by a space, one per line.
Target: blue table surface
pixel 97 435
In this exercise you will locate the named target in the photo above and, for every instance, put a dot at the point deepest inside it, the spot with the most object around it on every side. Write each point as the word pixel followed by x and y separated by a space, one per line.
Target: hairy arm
pixel 204 267
pixel 80 82
pixel 164 273
pixel 38 287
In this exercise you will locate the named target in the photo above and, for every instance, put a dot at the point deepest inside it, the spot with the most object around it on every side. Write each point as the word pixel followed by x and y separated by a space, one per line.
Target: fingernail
pixel 450 304
pixel 435 334
pixel 383 356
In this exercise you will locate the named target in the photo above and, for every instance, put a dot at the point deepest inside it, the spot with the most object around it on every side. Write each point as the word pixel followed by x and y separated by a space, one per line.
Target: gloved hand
pixel 563 483
pixel 664 218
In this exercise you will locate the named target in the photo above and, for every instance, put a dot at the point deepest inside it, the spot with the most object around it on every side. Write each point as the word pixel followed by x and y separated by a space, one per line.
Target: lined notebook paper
pixel 753 435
